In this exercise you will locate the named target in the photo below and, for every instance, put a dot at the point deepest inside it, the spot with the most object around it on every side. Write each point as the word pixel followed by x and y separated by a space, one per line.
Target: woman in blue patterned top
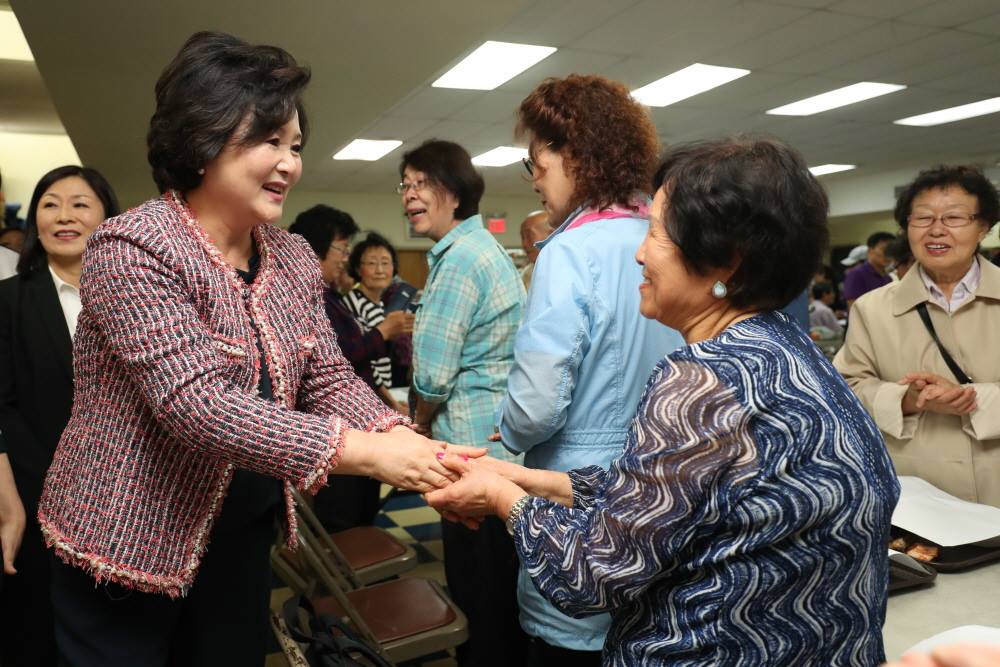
pixel 746 521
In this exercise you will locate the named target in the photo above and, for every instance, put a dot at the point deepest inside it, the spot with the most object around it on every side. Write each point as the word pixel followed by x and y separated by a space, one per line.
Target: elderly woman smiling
pixel 940 419
pixel 745 522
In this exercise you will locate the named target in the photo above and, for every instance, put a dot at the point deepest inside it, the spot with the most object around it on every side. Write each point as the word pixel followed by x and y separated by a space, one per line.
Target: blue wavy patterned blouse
pixel 746 521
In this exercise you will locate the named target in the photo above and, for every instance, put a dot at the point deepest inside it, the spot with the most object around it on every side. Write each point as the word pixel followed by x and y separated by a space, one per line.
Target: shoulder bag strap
pixel 952 366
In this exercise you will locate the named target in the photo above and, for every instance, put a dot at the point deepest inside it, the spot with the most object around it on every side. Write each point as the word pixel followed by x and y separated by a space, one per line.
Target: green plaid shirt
pixel 463 339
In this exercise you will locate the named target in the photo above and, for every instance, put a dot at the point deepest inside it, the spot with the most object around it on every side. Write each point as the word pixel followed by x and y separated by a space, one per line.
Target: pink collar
pixel 638 209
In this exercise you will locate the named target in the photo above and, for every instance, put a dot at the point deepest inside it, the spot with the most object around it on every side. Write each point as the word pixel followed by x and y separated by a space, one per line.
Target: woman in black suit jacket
pixel 38 309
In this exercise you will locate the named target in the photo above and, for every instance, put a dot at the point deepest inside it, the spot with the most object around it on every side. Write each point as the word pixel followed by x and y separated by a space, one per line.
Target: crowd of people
pixel 639 458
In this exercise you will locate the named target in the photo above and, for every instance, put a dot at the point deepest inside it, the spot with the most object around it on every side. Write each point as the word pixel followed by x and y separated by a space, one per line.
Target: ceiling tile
pixel 881 9
pixel 952 14
pixel 434 103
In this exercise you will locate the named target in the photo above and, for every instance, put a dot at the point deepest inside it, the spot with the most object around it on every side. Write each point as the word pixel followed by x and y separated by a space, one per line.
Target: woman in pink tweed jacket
pixel 203 352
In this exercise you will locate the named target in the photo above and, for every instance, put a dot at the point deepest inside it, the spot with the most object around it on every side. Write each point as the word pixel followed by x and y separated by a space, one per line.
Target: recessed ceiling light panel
pixel 13 46
pixel 952 114
pixel 833 99
pixel 501 156
pixel 366 149
pixel 825 169
pixel 688 82
pixel 492 64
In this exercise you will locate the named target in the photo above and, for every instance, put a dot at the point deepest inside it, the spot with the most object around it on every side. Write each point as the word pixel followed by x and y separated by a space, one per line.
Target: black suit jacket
pixel 36 377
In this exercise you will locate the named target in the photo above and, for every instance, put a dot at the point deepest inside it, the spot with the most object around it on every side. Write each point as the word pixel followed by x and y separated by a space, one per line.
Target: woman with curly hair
pixel 583 351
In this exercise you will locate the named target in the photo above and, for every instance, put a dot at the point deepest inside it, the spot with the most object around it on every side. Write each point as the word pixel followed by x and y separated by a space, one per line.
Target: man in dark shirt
pixel 870 274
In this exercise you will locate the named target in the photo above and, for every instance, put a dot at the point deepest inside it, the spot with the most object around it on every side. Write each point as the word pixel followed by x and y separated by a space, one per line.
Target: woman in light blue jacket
pixel 583 352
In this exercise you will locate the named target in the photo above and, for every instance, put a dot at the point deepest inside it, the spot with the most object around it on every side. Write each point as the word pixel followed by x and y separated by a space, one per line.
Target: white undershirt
pixel 69 299
pixel 963 292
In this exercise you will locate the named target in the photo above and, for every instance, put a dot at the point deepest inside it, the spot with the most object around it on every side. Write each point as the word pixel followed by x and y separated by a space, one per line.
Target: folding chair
pixel 369 553
pixel 403 618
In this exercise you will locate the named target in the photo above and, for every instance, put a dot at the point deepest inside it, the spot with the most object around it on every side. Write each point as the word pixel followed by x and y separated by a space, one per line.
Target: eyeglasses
pixel 342 249
pixel 947 219
pixel 371 264
pixel 529 162
pixel 417 186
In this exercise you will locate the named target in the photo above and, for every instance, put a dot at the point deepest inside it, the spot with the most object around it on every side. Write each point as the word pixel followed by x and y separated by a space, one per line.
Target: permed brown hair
pixel 608 138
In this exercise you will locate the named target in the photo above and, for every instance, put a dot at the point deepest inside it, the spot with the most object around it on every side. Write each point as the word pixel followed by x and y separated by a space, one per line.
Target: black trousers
pixel 541 654
pixel 348 501
pixel 481 569
pixel 26 630
pixel 222 621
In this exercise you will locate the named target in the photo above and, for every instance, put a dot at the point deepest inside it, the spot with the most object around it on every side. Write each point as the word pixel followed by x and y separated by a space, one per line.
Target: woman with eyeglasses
pixel 373 264
pixel 915 352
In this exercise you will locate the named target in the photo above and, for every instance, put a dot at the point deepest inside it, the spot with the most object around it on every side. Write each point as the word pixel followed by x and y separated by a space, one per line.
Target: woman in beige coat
pixel 938 424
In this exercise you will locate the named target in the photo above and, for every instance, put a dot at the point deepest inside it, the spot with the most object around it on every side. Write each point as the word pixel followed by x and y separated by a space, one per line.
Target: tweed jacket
pixel 165 405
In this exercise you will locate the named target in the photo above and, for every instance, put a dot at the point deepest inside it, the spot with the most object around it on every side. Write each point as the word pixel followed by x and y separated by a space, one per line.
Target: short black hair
pixel 968 177
pixel 448 165
pixel 372 240
pixel 879 237
pixel 321 225
pixel 33 255
pixel 751 202
pixel 899 250
pixel 203 96
pixel 820 289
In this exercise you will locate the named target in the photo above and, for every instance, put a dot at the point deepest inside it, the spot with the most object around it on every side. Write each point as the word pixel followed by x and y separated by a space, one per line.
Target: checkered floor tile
pixel 412 522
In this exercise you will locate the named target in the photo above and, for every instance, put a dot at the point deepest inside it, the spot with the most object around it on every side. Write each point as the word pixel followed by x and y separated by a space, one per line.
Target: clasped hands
pixel 932 393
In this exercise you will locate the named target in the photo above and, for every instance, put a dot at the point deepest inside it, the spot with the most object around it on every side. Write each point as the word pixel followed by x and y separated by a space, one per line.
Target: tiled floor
pixel 411 521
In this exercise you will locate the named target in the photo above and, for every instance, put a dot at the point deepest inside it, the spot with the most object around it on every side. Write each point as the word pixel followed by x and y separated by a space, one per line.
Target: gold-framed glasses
pixel 417 186
pixel 953 219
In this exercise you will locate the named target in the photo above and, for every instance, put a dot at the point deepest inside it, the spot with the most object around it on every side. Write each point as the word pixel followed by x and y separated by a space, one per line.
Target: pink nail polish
pixel 440 456
pixel 464 457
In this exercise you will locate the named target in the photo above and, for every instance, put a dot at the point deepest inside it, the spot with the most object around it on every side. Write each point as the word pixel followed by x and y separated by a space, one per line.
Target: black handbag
pixel 329 641
pixel 955 369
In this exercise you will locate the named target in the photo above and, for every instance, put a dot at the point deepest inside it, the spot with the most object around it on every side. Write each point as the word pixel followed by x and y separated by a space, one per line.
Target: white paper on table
pixel 906 561
pixel 929 512
pixel 979 634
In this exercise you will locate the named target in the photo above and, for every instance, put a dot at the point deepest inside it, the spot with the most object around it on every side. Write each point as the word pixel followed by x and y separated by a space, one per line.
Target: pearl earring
pixel 201 172
pixel 719 290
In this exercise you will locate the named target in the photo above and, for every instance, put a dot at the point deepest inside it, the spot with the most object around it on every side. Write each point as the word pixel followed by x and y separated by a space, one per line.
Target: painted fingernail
pixel 439 455
pixel 464 457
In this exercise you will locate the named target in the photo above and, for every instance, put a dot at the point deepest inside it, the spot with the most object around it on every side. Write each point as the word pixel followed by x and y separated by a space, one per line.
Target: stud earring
pixel 201 172
pixel 719 290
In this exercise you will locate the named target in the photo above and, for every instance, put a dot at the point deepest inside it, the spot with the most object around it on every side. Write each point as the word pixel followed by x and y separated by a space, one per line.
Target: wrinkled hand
pixel 480 492
pixel 954 655
pixel 410 461
pixel 933 393
pixel 395 324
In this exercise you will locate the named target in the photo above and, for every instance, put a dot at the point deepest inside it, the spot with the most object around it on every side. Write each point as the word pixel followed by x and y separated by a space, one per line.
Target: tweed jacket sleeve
pixel 138 303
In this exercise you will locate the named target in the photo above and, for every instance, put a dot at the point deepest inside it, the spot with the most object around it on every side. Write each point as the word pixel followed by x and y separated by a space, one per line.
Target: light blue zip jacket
pixel 581 359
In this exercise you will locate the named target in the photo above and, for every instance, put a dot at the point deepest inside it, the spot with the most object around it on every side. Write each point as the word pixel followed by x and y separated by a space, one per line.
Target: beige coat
pixel 886 340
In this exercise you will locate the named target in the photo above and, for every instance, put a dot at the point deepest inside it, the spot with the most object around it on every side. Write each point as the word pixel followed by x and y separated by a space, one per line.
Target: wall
pixel 25 158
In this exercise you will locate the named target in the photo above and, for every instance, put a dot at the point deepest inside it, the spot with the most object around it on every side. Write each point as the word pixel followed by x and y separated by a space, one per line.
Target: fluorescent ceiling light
pixel 492 64
pixel 688 82
pixel 840 97
pixel 824 169
pixel 13 46
pixel 366 149
pixel 952 114
pixel 500 156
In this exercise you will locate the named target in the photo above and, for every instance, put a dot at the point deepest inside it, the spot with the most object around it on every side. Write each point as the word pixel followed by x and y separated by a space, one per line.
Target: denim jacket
pixel 581 359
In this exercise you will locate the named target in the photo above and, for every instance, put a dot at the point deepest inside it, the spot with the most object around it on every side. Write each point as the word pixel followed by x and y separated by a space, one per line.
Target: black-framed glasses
pixel 529 162
pixel 947 219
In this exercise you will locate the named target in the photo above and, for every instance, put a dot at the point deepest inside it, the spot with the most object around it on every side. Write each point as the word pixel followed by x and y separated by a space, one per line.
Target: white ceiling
pixel 373 63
